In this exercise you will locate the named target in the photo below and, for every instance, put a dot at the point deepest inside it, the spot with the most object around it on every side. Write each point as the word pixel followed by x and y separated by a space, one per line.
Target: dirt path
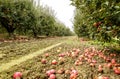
pixel 6 66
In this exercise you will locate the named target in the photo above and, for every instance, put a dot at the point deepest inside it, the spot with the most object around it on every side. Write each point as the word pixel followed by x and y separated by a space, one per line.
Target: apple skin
pixel 73 76
pixel 52 76
pixel 48 73
pixel 46 55
pixel 103 77
pixel 97 24
pixel 117 71
pixel 74 72
pixel 54 62
pixel 43 61
pixel 52 71
pixel 17 75
pixel 113 61
pixel 106 78
pixel 109 65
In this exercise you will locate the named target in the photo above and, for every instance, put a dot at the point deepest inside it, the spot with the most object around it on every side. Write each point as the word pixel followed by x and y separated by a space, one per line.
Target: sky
pixel 64 11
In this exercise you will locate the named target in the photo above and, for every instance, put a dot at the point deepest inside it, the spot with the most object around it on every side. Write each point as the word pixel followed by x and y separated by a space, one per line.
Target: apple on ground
pixel 54 62
pixel 17 75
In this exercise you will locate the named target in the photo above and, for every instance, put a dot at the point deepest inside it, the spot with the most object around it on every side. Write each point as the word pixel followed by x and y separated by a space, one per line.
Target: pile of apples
pixel 52 73
pixel 90 56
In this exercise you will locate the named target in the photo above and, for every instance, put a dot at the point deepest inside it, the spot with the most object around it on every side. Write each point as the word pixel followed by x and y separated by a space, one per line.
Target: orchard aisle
pixel 73 57
pixel 6 66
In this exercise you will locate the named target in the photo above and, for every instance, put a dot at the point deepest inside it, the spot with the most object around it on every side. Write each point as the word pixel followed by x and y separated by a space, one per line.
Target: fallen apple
pixel 103 77
pixel 17 75
pixel 54 62
pixel 92 64
pixel 73 76
pixel 43 61
pixel 52 76
pixel 49 72
pixel 100 69
pixel 52 71
pixel 67 72
pixel 106 78
pixel 113 61
pixel 117 71
pixel 74 72
pixel 46 55
pixel 109 65
pixel 61 71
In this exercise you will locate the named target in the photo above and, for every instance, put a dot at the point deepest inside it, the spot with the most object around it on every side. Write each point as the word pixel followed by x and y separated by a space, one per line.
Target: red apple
pixel 48 73
pixel 92 64
pixel 106 78
pixel 46 55
pixel 73 54
pixel 61 59
pixel 17 75
pixel 67 72
pixel 103 77
pixel 68 54
pixel 112 55
pixel 108 60
pixel 100 69
pixel 94 61
pixel 100 66
pixel 52 71
pixel 54 62
pixel 43 61
pixel 77 63
pixel 117 71
pixel 61 55
pixel 109 65
pixel 52 76
pixel 73 76
pixel 117 65
pixel 89 60
pixel 74 72
pixel 113 61
pixel 96 24
pixel 61 71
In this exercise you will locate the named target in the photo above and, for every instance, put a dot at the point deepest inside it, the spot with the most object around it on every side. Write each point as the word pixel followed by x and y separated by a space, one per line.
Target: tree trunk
pixel 34 33
pixel 10 29
pixel 11 35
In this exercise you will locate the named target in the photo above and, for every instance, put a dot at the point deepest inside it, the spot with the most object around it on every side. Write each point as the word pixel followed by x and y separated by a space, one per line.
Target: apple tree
pixel 15 14
pixel 101 18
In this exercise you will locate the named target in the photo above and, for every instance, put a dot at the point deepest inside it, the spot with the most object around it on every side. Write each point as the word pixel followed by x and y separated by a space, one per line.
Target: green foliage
pixel 24 17
pixel 45 22
pixel 99 19
pixel 16 14
pixel 61 30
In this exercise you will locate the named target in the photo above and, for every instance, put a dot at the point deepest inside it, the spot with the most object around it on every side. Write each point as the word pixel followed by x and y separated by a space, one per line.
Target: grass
pixel 16 50
pixel 6 66
pixel 34 69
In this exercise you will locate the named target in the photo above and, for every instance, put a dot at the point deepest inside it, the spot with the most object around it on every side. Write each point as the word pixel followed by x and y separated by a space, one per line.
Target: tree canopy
pixel 97 19
pixel 25 17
